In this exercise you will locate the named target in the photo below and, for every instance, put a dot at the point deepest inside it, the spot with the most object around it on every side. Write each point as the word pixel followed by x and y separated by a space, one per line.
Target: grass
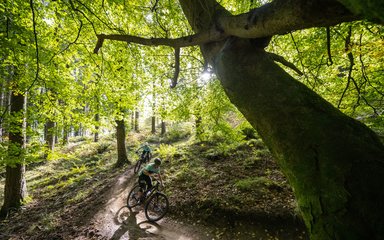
pixel 68 167
pixel 210 179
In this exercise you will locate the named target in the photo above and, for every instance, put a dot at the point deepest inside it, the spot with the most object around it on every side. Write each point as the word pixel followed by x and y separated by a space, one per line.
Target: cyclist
pixel 145 174
pixel 146 151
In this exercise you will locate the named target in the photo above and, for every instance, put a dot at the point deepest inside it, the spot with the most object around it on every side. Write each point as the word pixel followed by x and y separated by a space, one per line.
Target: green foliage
pixel 354 87
pixel 221 150
pixel 166 152
pixel 249 133
pixel 177 132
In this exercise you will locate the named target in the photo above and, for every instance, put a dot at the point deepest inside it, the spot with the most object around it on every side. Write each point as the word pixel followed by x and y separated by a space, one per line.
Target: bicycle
pixel 142 160
pixel 155 202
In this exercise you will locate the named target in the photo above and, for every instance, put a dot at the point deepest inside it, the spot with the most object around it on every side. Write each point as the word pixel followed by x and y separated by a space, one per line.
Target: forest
pixel 268 117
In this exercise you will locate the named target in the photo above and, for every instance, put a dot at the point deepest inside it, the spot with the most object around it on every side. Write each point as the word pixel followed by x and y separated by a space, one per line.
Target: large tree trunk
pixel 15 185
pixel 333 163
pixel 121 149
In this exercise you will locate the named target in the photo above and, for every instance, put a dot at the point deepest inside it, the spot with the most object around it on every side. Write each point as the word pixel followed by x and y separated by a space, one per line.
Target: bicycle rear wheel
pixel 133 200
pixel 156 207
pixel 137 166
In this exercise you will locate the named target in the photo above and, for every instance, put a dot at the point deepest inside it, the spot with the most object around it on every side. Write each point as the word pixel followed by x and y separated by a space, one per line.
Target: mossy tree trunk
pixel 15 189
pixel 334 163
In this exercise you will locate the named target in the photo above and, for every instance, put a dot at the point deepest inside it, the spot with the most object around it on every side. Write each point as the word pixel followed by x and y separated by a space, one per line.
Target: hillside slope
pixel 228 190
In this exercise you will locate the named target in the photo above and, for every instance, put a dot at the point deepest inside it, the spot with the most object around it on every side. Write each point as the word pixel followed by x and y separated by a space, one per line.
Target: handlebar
pixel 157 182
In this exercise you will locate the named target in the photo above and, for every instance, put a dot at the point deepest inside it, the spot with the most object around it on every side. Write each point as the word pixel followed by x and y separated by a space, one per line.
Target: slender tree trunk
pixel 334 164
pixel 50 134
pixel 153 125
pixel 65 134
pixel 6 98
pixel 2 109
pixel 121 148
pixel 15 186
pixel 97 124
pixel 137 121
pixel 163 127
pixel 56 135
pixel 132 121
pixel 199 128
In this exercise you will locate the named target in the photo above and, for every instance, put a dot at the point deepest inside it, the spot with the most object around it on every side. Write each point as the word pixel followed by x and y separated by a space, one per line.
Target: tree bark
pixel 50 134
pixel 97 123
pixel 153 125
pixel 198 127
pixel 66 130
pixel 334 163
pixel 372 10
pixel 163 127
pixel 121 148
pixel 15 189
pixel 5 99
pixel 137 121
pixel 132 121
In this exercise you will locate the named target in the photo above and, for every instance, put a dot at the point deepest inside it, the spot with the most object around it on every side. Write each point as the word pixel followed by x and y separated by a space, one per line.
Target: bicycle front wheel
pixel 156 207
pixel 133 197
pixel 137 166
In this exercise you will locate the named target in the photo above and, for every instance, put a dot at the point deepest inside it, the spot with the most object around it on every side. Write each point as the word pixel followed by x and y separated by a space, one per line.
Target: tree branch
pixel 329 46
pixel 277 17
pixel 192 40
pixel 177 68
pixel 280 59
pixel 36 46
pixel 283 16
pixel 69 44
pixel 348 49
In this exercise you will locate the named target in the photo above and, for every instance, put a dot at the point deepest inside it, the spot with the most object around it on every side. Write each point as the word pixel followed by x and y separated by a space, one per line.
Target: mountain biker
pixel 146 151
pixel 145 174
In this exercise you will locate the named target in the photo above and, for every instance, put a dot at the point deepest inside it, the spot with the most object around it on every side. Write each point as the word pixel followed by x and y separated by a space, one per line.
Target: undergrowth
pixel 204 180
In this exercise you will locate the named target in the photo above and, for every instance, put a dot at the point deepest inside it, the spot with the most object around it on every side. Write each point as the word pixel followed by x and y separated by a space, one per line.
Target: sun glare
pixel 205 76
pixel 49 21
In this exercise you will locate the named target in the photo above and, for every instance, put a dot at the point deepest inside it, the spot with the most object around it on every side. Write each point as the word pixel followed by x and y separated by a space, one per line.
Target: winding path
pixel 115 221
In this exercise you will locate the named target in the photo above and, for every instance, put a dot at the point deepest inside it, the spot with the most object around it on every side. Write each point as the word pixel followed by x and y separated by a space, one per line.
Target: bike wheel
pixel 137 166
pixel 133 200
pixel 156 207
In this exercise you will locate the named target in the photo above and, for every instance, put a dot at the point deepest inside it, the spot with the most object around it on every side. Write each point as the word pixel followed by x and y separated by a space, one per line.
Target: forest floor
pixel 215 192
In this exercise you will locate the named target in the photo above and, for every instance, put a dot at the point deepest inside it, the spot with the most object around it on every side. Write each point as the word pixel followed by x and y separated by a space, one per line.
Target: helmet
pixel 157 161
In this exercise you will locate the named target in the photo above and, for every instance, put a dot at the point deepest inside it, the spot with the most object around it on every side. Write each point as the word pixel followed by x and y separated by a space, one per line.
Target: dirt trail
pixel 116 221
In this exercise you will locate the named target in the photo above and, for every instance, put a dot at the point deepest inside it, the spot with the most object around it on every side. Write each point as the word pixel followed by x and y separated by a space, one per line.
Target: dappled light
pixel 179 119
